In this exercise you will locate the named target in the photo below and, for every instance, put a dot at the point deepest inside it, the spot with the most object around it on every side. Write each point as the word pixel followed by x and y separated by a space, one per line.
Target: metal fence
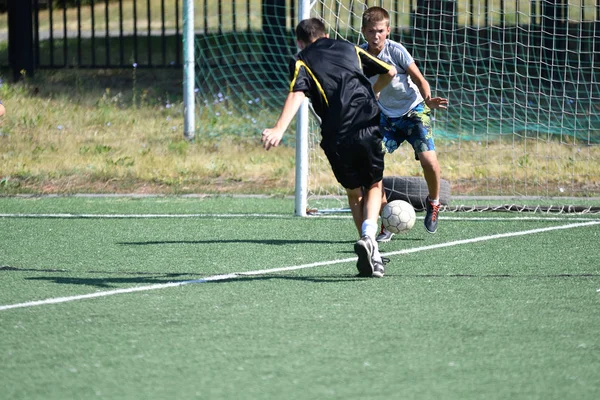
pixel 148 33
pixel 92 34
pixel 107 34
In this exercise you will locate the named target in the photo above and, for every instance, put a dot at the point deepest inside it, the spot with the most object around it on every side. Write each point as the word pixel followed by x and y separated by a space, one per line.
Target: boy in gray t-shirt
pixel 405 106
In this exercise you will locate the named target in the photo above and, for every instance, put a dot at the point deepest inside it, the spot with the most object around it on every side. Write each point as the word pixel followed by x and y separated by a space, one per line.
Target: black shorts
pixel 357 159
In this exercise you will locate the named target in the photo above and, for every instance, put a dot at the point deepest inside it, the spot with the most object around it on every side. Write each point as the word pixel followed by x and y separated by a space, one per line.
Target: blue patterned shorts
pixel 414 127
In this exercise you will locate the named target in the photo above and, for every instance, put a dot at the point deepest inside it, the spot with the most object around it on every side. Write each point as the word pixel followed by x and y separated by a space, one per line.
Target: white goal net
pixel 522 78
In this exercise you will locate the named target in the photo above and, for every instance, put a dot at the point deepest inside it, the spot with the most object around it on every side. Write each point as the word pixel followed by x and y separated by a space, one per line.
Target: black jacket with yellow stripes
pixel 334 75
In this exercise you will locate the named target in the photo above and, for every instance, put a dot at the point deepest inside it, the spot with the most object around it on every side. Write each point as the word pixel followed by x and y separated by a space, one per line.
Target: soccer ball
pixel 398 216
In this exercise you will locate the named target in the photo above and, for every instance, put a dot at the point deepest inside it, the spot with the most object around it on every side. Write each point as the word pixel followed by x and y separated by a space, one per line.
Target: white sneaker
pixel 378 269
pixel 384 236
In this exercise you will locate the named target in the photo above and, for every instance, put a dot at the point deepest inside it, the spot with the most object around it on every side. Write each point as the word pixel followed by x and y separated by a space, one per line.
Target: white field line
pixel 348 216
pixel 291 268
pixel 141 216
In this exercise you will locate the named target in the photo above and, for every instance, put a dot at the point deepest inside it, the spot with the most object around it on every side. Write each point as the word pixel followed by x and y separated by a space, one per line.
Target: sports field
pixel 234 298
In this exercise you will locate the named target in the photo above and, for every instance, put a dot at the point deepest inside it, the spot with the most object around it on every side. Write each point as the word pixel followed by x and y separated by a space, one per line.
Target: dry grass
pixel 110 135
pixel 121 132
pixel 528 167
pixel 496 169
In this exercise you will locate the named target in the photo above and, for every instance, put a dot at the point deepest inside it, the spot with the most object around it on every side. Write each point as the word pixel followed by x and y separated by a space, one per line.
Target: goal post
pixel 302 124
pixel 189 76
pixel 522 78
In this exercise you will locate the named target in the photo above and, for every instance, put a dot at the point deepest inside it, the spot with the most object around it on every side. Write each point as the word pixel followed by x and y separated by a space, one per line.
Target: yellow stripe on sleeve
pixel 300 64
pixel 360 51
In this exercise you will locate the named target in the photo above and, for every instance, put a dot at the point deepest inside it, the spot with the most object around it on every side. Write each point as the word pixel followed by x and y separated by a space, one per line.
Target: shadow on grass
pixel 17 269
pixel 277 242
pixel 113 283
pixel 109 283
pixel 131 277
pixel 152 278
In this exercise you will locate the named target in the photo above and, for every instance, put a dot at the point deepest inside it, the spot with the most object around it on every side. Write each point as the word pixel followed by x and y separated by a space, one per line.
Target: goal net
pixel 522 77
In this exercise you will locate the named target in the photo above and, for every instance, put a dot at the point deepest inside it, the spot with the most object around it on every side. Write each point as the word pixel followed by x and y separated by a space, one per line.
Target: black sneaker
pixel 364 250
pixel 432 216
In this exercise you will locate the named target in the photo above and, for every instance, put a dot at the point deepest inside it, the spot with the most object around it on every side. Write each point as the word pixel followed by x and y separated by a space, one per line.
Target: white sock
pixel 369 228
pixel 435 202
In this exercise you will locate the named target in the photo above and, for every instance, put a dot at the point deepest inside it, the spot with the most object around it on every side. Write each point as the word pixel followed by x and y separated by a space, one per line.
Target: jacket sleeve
pixel 300 80
pixel 371 65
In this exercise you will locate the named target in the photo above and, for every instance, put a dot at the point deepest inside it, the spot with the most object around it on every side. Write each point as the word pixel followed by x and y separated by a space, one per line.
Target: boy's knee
pixel 354 195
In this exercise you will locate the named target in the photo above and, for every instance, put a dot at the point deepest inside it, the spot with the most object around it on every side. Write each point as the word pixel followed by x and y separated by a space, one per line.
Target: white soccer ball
pixel 398 216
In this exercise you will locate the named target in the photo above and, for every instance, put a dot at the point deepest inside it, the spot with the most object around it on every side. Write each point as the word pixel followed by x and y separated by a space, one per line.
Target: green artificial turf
pixel 507 317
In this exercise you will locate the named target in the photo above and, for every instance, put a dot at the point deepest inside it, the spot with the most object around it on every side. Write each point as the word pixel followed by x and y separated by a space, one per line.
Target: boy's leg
pixel 394 134
pixel 348 178
pixel 369 260
pixel 355 201
pixel 431 172
pixel 384 201
pixel 372 201
pixel 360 171
pixel 365 209
pixel 421 139
pixel 384 235
pixel 363 247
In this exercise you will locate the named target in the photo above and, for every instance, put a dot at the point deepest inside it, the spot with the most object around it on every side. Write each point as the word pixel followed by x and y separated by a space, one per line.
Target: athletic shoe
pixel 378 269
pixel 432 216
pixel 364 250
pixel 384 235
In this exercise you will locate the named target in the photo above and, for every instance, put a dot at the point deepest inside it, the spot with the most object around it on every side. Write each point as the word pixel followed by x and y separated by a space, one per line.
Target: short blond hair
pixel 373 15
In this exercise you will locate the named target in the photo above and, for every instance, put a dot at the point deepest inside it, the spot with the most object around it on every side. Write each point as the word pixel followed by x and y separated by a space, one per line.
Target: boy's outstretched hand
pixel 437 102
pixel 271 137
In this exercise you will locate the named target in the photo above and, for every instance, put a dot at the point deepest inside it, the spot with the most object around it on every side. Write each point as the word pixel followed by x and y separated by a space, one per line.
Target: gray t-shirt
pixel 401 95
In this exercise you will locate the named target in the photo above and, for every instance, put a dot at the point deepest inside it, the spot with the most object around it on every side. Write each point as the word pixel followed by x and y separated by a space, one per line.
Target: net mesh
pixel 242 49
pixel 522 78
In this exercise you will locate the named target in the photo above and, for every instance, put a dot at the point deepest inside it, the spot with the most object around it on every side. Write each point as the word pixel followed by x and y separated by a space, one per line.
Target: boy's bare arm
pixel 425 89
pixel 384 79
pixel 272 137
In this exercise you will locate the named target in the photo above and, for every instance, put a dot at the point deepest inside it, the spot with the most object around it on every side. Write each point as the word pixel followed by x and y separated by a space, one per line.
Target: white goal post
pixel 302 139
pixel 189 71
